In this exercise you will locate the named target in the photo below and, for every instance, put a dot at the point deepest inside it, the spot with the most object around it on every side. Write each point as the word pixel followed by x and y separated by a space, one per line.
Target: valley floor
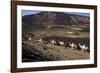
pixel 34 51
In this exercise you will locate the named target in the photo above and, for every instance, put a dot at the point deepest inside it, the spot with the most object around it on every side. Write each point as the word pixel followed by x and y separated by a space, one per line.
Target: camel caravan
pixel 72 45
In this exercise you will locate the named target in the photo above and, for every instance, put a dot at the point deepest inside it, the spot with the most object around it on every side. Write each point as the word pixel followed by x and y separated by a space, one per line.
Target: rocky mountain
pixel 58 18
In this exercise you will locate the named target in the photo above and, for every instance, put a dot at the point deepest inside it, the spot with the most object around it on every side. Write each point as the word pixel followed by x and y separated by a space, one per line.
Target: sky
pixel 29 12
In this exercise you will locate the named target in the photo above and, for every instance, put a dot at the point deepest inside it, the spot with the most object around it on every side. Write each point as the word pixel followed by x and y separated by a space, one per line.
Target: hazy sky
pixel 29 12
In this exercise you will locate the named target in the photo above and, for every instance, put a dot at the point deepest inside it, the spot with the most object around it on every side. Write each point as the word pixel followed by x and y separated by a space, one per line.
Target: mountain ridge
pixel 58 18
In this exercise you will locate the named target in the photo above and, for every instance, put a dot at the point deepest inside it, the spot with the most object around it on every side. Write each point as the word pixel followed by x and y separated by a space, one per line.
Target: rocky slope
pixel 55 18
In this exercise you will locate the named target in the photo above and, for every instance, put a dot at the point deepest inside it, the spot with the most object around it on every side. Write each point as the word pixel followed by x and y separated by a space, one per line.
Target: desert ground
pixel 35 50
